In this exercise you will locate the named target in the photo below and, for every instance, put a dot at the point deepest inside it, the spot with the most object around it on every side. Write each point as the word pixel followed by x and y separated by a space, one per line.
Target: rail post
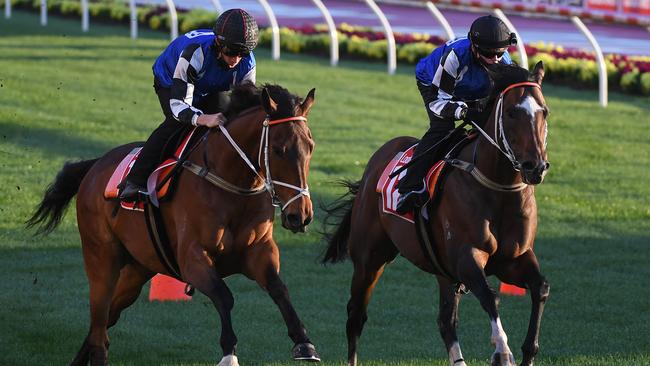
pixel 441 19
pixel 523 57
pixel 84 16
pixel 390 38
pixel 173 20
pixel 217 5
pixel 275 30
pixel 600 60
pixel 7 9
pixel 331 27
pixel 43 12
pixel 133 19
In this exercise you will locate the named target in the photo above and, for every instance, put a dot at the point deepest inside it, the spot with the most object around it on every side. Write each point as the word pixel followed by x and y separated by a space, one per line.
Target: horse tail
pixel 340 210
pixel 57 196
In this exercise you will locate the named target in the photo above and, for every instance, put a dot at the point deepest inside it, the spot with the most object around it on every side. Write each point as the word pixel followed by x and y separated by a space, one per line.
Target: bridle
pixel 269 183
pixel 499 131
pixel 499 139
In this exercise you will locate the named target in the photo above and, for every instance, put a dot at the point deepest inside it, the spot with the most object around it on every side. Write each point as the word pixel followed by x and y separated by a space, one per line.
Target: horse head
pixel 519 118
pixel 285 154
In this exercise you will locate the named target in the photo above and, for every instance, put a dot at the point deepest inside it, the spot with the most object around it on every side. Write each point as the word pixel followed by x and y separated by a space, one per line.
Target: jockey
pixel 450 78
pixel 191 78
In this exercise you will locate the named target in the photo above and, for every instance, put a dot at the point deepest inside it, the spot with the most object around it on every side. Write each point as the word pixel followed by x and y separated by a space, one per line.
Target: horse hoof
pixel 503 359
pixel 83 356
pixel 230 360
pixel 305 352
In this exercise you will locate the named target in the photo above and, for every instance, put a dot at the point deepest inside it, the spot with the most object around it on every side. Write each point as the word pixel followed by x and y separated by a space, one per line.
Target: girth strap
pixel 425 235
pixel 158 234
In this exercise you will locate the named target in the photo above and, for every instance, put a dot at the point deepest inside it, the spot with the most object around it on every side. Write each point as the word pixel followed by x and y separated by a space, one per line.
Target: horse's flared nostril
pixel 547 165
pixel 293 220
pixel 528 165
pixel 307 221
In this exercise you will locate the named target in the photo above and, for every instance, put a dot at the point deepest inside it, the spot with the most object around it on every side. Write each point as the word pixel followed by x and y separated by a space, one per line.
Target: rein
pixel 269 184
pixel 499 137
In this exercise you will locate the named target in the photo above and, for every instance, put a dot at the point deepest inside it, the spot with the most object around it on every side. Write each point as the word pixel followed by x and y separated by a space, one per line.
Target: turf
pixel 65 96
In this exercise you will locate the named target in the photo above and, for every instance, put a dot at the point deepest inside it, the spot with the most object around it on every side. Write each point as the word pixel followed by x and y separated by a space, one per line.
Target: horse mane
pixel 246 95
pixel 502 76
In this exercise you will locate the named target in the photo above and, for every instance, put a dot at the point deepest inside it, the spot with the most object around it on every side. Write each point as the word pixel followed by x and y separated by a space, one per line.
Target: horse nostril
pixel 307 221
pixel 294 220
pixel 547 165
pixel 528 165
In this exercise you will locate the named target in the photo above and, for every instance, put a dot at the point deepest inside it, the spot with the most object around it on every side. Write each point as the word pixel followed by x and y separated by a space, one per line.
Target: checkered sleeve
pixel 182 90
pixel 443 84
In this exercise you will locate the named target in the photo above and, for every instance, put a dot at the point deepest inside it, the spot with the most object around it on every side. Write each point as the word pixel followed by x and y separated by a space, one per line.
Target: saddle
pixel 388 187
pixel 158 176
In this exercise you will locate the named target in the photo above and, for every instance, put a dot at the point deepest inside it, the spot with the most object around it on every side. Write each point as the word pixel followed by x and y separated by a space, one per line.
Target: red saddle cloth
pixel 124 167
pixel 388 186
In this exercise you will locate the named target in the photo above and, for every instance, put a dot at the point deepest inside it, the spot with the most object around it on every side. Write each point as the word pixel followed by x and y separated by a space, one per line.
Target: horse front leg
pixel 263 266
pixel 524 272
pixel 471 273
pixel 198 271
pixel 448 320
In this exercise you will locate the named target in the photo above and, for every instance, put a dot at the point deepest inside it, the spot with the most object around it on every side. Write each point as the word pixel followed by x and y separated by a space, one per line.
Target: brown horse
pixel 214 231
pixel 480 227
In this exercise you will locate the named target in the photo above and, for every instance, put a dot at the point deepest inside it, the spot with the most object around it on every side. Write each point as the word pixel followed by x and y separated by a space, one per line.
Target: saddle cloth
pixel 388 186
pixel 124 167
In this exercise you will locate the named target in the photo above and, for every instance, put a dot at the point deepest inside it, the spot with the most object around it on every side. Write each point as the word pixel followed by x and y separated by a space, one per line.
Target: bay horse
pixel 480 227
pixel 214 232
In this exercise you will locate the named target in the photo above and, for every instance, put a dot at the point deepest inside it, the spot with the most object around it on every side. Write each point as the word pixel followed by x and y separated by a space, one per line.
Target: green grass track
pixel 65 96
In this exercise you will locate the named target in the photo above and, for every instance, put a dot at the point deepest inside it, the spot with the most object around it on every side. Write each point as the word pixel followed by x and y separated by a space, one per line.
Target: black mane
pixel 247 95
pixel 503 76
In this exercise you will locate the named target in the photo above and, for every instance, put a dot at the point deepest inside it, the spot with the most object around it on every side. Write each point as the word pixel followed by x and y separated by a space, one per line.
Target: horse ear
pixel 538 73
pixel 270 106
pixel 308 102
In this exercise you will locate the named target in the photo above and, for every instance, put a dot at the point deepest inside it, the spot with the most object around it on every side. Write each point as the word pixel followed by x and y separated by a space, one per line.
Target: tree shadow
pixel 52 141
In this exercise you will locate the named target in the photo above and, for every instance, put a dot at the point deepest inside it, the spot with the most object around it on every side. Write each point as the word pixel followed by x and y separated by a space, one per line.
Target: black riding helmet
pixel 237 30
pixel 489 33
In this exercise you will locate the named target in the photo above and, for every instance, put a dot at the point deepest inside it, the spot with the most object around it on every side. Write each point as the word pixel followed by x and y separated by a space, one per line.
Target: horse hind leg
pixel 367 270
pixel 448 320
pixel 102 263
pixel 472 274
pixel 132 278
pixel 524 272
pixel 129 285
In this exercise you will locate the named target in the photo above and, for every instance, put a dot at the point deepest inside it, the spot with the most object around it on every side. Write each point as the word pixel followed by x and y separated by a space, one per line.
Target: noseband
pixel 269 184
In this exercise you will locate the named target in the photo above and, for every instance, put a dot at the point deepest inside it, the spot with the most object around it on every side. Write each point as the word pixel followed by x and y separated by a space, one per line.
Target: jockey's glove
pixel 470 114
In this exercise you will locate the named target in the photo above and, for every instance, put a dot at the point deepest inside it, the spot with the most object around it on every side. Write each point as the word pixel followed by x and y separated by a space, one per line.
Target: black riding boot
pixel 148 159
pixel 412 188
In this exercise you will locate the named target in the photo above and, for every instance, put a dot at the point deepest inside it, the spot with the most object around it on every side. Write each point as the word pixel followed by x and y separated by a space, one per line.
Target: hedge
pixel 575 68
pixel 630 74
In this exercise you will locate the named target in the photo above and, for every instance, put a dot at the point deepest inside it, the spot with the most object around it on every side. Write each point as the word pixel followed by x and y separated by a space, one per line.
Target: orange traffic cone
pixel 511 290
pixel 165 288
